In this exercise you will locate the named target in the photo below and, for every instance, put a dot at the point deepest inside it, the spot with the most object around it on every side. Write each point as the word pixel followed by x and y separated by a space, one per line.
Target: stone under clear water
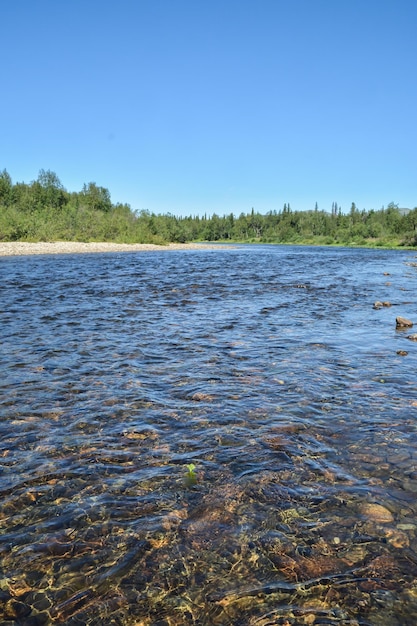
pixel 212 437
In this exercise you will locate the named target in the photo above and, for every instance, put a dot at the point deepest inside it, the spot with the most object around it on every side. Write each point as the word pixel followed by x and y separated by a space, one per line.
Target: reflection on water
pixel 208 437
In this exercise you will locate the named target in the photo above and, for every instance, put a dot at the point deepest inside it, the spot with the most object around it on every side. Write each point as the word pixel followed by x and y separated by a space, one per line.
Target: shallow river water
pixel 213 437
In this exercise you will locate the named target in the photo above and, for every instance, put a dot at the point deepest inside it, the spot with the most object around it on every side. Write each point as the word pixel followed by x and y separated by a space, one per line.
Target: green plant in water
pixel 191 476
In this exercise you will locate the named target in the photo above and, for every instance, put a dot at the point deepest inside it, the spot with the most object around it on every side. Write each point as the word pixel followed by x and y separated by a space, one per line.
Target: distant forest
pixel 44 210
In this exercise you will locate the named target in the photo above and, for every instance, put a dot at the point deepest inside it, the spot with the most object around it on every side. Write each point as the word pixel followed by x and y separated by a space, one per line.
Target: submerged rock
pixel 403 322
pixel 376 512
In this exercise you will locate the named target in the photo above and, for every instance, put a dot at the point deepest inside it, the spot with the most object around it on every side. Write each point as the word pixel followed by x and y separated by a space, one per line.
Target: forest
pixel 43 210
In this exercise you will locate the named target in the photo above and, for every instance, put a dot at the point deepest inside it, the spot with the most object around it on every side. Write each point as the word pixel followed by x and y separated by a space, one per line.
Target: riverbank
pixel 327 242
pixel 21 248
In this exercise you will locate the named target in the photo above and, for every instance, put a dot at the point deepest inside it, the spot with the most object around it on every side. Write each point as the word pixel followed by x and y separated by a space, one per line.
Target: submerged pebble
pixel 376 512
pixel 254 371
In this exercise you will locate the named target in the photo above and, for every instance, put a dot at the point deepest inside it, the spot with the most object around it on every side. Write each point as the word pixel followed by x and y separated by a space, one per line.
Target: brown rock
pixel 376 512
pixel 17 609
pixel 403 322
pixel 412 337
pixel 202 397
pixel 397 538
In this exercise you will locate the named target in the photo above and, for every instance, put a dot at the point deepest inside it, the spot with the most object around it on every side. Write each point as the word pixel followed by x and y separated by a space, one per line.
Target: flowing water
pixel 213 437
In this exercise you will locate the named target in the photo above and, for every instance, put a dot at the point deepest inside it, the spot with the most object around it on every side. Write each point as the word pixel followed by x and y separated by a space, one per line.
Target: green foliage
pixel 5 188
pixel 44 210
pixel 48 190
pixel 96 198
pixel 191 476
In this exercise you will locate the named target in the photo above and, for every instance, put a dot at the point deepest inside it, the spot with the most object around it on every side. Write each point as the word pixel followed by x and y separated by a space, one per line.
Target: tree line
pixel 44 210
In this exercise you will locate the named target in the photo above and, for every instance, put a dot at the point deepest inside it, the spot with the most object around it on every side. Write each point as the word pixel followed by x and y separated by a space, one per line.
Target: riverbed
pixel 208 436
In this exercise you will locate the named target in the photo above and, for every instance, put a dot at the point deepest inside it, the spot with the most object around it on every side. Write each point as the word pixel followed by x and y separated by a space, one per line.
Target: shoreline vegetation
pixel 44 211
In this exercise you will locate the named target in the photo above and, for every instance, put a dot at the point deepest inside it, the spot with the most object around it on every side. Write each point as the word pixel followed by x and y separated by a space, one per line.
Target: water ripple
pixel 208 437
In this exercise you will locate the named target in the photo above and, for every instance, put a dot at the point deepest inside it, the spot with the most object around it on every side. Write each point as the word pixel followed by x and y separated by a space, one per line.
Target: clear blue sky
pixel 194 106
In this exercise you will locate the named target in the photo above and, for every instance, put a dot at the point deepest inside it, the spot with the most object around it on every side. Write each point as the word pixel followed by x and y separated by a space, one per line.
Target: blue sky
pixel 214 106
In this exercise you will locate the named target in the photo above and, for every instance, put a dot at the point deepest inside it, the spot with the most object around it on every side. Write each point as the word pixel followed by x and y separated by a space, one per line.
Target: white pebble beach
pixel 21 248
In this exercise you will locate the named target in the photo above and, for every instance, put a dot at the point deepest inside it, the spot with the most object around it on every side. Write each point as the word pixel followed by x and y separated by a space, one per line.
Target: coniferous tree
pixel 5 188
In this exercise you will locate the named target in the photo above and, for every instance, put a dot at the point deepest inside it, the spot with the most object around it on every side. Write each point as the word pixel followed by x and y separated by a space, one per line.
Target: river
pixel 213 437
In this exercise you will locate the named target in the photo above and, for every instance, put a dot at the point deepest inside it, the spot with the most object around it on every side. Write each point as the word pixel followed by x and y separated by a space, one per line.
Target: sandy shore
pixel 16 248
